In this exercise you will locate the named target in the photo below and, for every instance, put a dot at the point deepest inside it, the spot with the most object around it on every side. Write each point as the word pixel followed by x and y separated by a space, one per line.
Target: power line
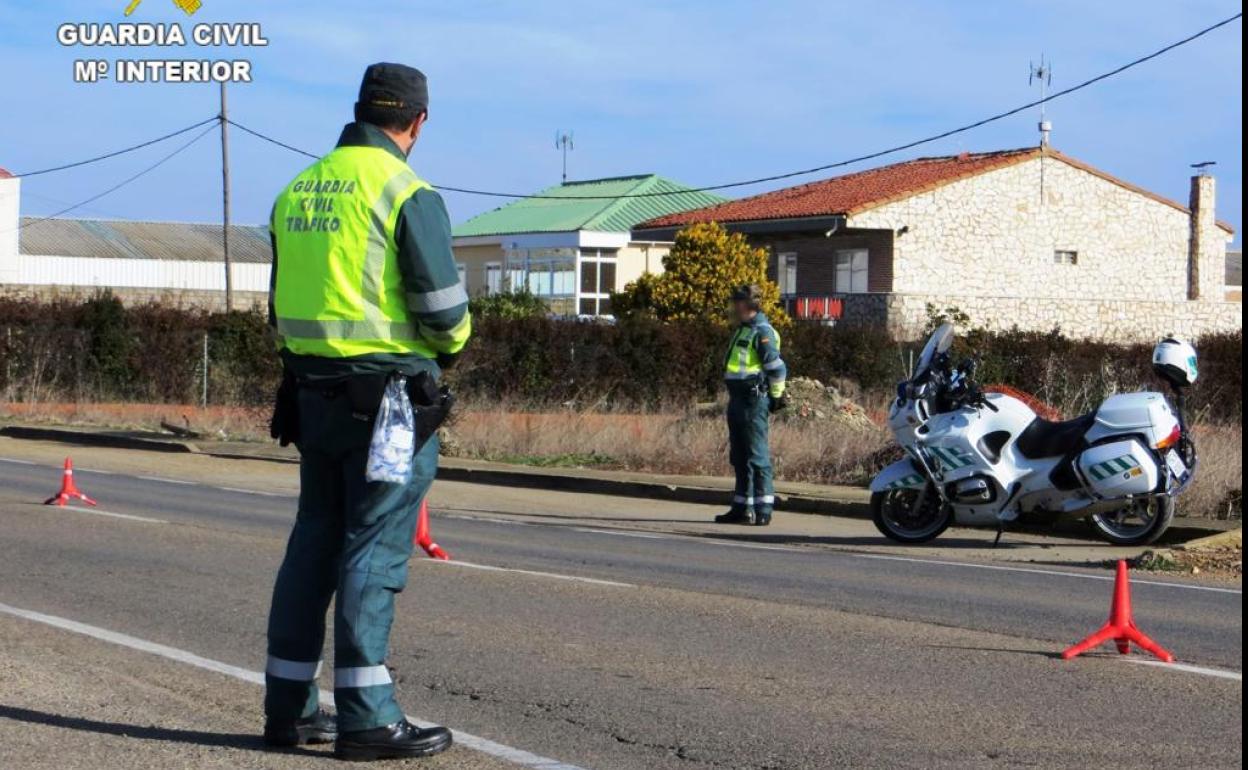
pixel 99 158
pixel 827 167
pixel 122 184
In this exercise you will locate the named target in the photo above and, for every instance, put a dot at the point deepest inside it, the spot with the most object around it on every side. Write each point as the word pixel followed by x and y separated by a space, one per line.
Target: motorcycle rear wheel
pixel 1140 523
pixel 894 516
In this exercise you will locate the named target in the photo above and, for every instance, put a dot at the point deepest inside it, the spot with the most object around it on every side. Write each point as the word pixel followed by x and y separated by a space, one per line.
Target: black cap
pixel 394 86
pixel 748 293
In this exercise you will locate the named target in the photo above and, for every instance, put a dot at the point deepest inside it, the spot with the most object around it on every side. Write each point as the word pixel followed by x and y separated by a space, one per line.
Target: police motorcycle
pixel 986 458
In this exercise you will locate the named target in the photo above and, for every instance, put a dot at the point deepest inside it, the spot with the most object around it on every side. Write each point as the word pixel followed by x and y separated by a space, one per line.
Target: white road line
pixel 161 479
pixel 483 745
pixel 1081 575
pixel 254 492
pixel 17 462
pixel 125 516
pixel 1220 673
pixel 534 573
pixel 619 533
pixel 97 470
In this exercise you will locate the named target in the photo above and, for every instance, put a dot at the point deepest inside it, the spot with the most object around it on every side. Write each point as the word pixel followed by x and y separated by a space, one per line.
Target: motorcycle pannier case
pixel 1119 468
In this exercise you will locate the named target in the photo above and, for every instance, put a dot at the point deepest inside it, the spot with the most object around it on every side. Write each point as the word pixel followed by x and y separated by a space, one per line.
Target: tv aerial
pixel 565 141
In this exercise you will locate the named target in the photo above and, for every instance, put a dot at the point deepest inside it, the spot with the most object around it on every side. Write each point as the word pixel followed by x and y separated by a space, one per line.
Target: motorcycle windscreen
pixel 940 342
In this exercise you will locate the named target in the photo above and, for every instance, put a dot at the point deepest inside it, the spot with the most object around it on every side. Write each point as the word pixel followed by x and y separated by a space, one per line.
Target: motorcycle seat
pixel 1046 438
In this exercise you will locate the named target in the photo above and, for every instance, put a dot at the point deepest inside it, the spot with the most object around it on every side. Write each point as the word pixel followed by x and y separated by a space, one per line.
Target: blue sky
pixel 703 91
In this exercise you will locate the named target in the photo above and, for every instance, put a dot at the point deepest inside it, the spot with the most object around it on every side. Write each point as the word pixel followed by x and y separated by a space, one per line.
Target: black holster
pixel 284 424
pixel 431 403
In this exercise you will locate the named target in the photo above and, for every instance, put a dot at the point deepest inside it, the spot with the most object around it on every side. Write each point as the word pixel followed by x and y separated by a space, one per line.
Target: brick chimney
pixel 1206 251
pixel 10 206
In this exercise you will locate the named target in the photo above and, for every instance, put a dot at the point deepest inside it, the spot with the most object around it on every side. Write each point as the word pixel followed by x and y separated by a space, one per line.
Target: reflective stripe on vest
pixel 339 291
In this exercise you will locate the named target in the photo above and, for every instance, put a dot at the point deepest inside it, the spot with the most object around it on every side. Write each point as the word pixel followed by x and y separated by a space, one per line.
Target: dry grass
pixel 234 423
pixel 1217 490
pixel 690 443
pixel 693 443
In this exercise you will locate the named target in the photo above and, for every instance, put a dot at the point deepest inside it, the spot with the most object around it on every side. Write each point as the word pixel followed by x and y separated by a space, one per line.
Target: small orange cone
pixel 69 490
pixel 424 539
pixel 1121 627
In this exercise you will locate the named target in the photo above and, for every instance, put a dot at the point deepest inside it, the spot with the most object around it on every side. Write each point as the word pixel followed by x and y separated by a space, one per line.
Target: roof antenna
pixel 1042 73
pixel 564 140
pixel 1204 167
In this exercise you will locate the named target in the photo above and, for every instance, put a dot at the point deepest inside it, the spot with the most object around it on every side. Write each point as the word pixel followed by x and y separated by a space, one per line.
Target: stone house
pixel 1030 238
pixel 571 244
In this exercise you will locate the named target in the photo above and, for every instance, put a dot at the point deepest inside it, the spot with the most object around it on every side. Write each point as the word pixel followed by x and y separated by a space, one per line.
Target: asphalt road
pixel 625 649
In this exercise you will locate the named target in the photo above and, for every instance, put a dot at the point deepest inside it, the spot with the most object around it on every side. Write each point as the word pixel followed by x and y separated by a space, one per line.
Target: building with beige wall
pixel 1026 238
pixel 571 244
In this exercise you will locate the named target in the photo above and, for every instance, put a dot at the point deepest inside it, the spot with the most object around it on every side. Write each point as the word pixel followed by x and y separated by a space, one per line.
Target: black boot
pixel 401 740
pixel 762 519
pixel 318 728
pixel 735 517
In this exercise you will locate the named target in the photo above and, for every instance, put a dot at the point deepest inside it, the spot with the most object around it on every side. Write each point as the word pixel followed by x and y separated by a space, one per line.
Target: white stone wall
pixel 994 235
pixel 1113 320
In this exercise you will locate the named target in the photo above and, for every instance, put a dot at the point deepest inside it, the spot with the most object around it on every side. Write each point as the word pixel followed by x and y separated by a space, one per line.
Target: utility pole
pixel 225 198
pixel 564 141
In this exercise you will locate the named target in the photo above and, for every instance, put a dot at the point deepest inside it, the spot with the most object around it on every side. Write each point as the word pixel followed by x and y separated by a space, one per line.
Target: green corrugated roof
pixel 591 211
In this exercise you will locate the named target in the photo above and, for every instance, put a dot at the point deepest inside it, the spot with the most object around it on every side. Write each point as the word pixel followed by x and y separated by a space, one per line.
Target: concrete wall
pixel 10 207
pixel 188 298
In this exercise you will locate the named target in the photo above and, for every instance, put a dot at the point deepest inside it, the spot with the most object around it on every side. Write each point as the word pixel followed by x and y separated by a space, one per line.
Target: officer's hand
pixel 778 403
pixel 446 361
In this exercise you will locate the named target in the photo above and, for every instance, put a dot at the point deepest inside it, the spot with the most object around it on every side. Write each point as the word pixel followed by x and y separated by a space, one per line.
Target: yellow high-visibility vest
pixel 743 361
pixel 338 291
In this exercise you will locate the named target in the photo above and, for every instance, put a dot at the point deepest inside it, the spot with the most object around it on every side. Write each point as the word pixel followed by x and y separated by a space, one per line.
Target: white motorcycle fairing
pixel 899 475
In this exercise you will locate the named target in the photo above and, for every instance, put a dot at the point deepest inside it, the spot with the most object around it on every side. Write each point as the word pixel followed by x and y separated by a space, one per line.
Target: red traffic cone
pixel 1121 627
pixel 69 490
pixel 424 539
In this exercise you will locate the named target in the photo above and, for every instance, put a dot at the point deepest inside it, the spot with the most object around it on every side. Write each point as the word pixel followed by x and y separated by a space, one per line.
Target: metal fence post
pixel 204 395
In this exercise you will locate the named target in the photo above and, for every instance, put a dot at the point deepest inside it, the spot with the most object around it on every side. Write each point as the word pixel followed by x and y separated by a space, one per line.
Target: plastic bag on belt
pixel 394 436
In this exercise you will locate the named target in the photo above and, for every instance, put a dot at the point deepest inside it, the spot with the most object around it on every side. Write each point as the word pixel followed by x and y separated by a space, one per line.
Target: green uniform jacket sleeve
pixel 768 343
pixel 435 297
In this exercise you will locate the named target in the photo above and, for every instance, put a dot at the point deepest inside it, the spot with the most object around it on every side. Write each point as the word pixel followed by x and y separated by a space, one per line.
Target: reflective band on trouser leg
pixel 361 676
pixel 759 456
pixel 294 670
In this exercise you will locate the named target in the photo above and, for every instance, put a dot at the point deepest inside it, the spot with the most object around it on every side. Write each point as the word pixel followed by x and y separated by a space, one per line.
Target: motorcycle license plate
pixel 1177 467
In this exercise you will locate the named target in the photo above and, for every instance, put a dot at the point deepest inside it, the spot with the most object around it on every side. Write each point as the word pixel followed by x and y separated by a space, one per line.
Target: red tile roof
pixel 4 173
pixel 862 190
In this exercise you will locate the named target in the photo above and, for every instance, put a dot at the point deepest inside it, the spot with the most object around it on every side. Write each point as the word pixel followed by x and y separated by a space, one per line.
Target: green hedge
pixel 101 350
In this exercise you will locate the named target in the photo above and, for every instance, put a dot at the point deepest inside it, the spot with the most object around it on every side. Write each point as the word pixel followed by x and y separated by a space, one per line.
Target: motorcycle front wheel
pixel 1139 523
pixel 898 518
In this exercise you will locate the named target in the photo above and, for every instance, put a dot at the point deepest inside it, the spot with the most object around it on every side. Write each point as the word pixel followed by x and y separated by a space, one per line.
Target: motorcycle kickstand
pixel 1000 531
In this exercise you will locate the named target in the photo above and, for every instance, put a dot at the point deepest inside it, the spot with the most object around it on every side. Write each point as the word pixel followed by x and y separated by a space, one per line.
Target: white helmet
pixel 1175 362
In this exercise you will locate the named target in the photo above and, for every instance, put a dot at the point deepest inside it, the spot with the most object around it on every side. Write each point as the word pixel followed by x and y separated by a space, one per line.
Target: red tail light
pixel 1170 440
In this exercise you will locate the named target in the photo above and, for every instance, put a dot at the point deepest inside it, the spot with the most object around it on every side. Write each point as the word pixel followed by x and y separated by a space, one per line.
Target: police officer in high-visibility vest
pixel 364 289
pixel 755 375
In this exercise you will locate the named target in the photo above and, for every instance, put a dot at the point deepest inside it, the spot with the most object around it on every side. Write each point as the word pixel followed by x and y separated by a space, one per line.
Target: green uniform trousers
pixel 351 537
pixel 748 449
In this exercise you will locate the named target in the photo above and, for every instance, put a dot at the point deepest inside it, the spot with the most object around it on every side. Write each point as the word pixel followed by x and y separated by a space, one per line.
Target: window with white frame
pixel 493 278
pixel 786 273
pixel 597 268
pixel 1065 257
pixel 463 274
pixel 851 271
